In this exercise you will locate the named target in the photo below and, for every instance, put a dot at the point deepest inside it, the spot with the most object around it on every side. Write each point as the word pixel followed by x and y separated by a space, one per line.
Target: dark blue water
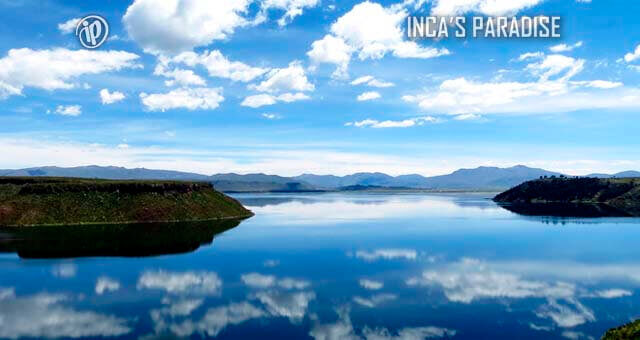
pixel 346 266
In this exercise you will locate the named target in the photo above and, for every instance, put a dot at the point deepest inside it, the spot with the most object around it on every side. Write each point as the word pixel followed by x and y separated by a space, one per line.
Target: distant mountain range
pixel 624 174
pixel 481 178
pixel 478 178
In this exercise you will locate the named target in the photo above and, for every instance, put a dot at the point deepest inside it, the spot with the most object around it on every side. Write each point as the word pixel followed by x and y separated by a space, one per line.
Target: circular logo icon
pixel 92 31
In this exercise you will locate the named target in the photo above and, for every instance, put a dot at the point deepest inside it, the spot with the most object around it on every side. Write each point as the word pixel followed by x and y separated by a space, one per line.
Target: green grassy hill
pixel 63 201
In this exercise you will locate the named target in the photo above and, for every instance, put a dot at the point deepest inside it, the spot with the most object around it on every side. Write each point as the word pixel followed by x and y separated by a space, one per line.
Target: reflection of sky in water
pixel 357 266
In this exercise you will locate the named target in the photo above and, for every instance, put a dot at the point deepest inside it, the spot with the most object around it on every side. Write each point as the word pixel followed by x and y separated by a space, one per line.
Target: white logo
pixel 92 31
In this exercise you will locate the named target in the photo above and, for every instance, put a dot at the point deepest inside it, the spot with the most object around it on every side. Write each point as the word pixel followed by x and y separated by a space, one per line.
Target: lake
pixel 339 266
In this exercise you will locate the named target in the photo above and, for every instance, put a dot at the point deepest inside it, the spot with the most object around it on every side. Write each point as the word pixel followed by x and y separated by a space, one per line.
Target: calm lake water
pixel 345 266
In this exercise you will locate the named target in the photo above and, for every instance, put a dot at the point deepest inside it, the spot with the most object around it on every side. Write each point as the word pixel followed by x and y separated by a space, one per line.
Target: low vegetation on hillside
pixel 617 192
pixel 578 197
pixel 630 331
pixel 62 201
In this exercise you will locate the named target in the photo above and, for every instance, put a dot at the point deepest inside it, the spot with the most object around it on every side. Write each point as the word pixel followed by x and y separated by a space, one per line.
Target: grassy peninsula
pixel 29 201
pixel 622 194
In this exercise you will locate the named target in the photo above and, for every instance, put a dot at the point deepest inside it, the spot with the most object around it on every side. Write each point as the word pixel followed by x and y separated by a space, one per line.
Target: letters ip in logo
pixel 92 31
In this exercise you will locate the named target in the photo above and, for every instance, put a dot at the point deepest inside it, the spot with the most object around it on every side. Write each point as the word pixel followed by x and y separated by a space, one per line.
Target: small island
pixel 579 196
pixel 38 201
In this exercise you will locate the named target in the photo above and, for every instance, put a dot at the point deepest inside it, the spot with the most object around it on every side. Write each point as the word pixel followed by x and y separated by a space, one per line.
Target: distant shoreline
pixel 408 190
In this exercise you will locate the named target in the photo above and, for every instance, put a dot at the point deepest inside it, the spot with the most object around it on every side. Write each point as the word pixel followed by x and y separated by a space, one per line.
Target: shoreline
pixel 78 224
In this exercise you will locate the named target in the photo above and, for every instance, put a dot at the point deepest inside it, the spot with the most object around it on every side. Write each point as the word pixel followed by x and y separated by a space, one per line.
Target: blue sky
pixel 317 86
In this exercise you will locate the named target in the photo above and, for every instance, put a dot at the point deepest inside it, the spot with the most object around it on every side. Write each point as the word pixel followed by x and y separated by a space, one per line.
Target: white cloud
pixel 342 329
pixel 556 64
pixel 487 7
pixel 291 78
pixel 373 38
pixel 599 84
pixel 292 305
pixel 53 69
pixel 362 80
pixel 264 99
pixel 540 328
pixel 380 83
pixel 271 116
pixel 465 96
pixel 292 97
pixel 181 307
pixel 531 55
pixel 387 254
pixel 566 315
pixel 69 110
pixel 110 97
pixel 393 123
pixel 106 284
pixel 380 33
pixel 290 283
pixel 291 8
pixel 410 49
pixel 611 293
pixel 219 66
pixel 179 76
pixel 215 320
pixel 384 124
pixel 68 26
pixel 471 279
pixel 409 333
pixel 370 95
pixel 331 50
pixel 174 26
pixel 173 308
pixel 632 56
pixel 46 316
pixel 259 100
pixel 181 282
pixel 564 47
pixel 573 335
pixel 371 284
pixel 257 280
pixel 201 98
pixel 467 116
pixel 371 81
pixel 552 92
pixel 634 68
pixel 374 300
pixel 271 263
pixel 65 270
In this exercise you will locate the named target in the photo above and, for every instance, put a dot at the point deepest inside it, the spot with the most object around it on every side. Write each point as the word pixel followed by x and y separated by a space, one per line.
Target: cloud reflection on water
pixel 469 280
pixel 337 208
pixel 45 315
pixel 343 329
pixel 201 282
